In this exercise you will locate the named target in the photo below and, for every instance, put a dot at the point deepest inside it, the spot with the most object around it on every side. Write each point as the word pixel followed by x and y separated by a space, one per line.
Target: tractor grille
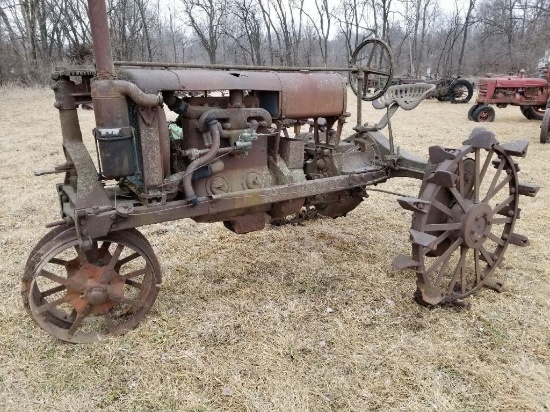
pixel 482 92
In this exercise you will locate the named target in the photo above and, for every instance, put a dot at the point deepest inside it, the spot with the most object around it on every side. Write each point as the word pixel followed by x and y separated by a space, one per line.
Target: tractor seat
pixel 407 96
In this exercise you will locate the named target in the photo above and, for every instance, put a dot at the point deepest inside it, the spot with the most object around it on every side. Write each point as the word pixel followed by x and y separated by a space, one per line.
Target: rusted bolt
pixel 83 222
pixel 512 190
pixel 114 226
pixel 113 217
pixel 85 232
pixel 504 236
pixel 511 213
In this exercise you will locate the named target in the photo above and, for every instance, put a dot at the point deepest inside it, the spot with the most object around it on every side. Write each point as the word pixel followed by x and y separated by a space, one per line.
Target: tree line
pixel 471 37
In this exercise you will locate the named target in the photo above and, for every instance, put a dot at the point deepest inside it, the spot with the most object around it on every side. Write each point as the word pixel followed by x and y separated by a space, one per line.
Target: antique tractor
pixel 530 94
pixel 241 157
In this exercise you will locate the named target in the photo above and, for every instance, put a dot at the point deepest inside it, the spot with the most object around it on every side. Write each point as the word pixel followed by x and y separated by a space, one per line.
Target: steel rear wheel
pixel 464 218
pixel 84 297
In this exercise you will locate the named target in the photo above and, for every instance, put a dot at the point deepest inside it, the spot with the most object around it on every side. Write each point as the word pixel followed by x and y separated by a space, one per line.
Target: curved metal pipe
pixel 190 194
pixel 119 88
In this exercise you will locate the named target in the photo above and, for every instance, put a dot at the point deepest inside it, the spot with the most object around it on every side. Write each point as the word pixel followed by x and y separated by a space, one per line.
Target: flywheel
pixel 464 217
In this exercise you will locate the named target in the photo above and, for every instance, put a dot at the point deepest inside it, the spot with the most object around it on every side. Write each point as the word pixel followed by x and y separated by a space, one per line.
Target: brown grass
pixel 243 322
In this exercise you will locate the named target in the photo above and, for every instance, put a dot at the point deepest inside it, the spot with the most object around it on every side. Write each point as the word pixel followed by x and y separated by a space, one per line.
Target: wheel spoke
pixel 458 269
pixel 126 301
pixel 495 178
pixel 486 165
pixel 442 207
pixel 134 274
pixel 51 291
pixel 501 220
pixel 134 284
pixel 57 261
pixel 115 256
pixel 444 256
pixel 378 72
pixel 127 259
pixel 437 227
pixel 461 177
pixel 443 236
pixel 503 204
pixel 459 198
pixel 442 270
pixel 476 266
pixel 497 189
pixel 52 304
pixel 496 239
pixel 109 272
pixel 487 256
pixel 79 319
pixel 477 180
pixel 54 278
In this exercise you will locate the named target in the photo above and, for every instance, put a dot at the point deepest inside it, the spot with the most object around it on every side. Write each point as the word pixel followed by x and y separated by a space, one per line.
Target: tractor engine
pixel 233 131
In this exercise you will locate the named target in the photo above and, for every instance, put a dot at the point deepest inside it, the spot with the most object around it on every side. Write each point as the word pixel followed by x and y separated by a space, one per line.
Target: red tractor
pixel 530 94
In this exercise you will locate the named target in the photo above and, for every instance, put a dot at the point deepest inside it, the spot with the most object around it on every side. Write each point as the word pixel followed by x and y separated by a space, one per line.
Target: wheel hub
pixel 476 224
pixel 96 295
pixel 89 280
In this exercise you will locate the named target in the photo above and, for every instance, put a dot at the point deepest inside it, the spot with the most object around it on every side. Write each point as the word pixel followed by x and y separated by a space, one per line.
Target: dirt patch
pixel 291 318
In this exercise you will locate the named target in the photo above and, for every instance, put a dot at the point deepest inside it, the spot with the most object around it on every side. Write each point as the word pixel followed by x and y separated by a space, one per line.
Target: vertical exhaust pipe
pixel 114 133
pixel 99 22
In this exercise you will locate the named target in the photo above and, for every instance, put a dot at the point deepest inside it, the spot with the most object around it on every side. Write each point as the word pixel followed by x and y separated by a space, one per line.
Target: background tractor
pixel 529 93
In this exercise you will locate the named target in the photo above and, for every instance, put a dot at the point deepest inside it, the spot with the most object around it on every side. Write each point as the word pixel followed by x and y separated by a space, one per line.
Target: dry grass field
pixel 305 318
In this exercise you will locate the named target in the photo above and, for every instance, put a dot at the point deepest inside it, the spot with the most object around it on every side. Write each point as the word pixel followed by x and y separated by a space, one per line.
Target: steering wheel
pixel 374 58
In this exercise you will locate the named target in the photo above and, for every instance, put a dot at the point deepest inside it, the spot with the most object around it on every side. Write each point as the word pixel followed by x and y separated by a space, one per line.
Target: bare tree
pixel 207 19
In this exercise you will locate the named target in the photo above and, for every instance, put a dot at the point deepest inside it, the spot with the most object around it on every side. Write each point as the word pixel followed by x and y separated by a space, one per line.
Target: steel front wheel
pixel 81 297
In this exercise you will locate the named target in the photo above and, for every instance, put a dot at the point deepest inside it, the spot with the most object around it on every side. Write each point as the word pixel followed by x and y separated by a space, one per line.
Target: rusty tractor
pixel 530 94
pixel 240 157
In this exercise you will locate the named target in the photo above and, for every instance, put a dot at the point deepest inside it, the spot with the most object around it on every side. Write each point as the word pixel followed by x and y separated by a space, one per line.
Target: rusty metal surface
pixel 459 235
pixel 244 159
pixel 312 95
pixel 303 95
pixel 84 297
pixel 99 25
pixel 124 64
